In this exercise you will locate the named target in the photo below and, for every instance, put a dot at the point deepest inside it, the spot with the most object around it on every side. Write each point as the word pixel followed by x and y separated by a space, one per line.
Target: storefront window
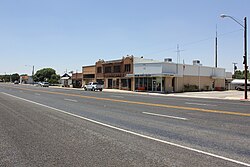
pixel 124 82
pixel 149 84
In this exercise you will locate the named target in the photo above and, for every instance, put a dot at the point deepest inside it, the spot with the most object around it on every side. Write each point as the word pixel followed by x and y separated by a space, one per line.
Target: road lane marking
pixel 167 116
pixel 71 100
pixel 37 94
pixel 117 96
pixel 201 104
pixel 144 103
pixel 134 133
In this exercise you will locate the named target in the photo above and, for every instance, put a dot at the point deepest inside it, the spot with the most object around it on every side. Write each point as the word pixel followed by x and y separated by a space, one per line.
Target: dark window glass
pixel 127 67
pixel 99 69
pixel 117 69
pixel 108 69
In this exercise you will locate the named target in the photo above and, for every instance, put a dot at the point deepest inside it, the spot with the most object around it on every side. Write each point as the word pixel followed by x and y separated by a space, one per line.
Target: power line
pixel 194 42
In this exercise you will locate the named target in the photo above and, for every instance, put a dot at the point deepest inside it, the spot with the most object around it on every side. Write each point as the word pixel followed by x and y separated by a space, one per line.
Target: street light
pixel 245 46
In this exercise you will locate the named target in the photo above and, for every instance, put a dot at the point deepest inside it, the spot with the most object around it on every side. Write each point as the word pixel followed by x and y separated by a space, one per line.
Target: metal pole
pixel 245 54
pixel 216 49
pixel 33 70
pixel 234 67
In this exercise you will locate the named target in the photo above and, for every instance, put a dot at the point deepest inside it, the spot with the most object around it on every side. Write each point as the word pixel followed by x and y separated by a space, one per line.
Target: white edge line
pixel 134 133
pixel 167 116
pixel 71 100
pixel 200 104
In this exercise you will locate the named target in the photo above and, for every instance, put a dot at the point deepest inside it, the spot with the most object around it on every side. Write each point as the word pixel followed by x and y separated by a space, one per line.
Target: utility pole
pixel 33 70
pixel 178 61
pixel 216 49
pixel 235 67
pixel 245 48
pixel 245 55
pixel 178 51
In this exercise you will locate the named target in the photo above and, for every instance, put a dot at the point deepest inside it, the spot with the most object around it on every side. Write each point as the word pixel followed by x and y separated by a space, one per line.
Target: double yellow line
pixel 142 103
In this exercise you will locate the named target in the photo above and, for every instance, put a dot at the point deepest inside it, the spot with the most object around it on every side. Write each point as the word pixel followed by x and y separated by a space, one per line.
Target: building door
pixel 173 84
pixel 154 85
pixel 110 82
pixel 129 84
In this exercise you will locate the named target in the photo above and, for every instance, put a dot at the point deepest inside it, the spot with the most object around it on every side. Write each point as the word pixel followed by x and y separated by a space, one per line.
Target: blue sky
pixel 67 34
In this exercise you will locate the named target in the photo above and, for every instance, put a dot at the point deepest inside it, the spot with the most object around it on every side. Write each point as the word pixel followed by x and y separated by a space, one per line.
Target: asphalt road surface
pixel 58 127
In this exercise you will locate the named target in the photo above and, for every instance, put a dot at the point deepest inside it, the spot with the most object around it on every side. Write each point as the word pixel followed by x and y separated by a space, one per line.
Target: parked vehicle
pixel 43 84
pixel 242 87
pixel 93 86
pixel 16 82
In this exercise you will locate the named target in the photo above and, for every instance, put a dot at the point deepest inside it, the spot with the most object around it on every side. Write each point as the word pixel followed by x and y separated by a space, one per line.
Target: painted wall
pixel 178 69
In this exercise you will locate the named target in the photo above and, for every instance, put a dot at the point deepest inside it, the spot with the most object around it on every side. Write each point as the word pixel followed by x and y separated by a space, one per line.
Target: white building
pixel 166 76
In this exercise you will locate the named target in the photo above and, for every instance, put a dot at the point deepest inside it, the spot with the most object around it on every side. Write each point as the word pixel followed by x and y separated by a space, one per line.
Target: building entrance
pixel 154 84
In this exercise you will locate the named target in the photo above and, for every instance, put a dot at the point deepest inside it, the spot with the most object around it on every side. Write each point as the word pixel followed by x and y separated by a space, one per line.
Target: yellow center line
pixel 143 103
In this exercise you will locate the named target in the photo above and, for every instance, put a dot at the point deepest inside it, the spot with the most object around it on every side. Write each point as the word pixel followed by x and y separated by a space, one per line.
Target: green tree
pixel 238 75
pixel 46 74
pixel 54 79
pixel 241 74
pixel 15 77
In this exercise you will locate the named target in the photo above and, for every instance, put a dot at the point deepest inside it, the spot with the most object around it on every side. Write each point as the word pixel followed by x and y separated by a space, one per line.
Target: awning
pixel 151 75
pixel 239 81
pixel 65 78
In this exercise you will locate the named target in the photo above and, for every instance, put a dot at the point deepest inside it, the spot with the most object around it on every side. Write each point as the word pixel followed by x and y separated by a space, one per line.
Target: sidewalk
pixel 226 95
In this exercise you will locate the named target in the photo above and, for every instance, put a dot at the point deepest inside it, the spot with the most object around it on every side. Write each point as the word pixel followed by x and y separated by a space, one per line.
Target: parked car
pixel 93 86
pixel 242 87
pixel 16 82
pixel 43 84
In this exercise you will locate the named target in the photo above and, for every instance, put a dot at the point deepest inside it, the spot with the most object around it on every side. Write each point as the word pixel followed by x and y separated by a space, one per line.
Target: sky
pixel 68 34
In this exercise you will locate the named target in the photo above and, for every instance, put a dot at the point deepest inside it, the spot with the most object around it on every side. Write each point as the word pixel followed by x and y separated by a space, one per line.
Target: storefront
pixel 154 84
pixel 151 83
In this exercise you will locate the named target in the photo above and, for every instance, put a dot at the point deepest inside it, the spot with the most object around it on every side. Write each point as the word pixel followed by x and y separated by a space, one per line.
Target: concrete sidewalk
pixel 226 95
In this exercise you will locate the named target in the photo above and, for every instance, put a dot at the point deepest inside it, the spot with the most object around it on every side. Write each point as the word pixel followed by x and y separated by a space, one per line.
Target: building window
pixel 107 69
pixel 127 67
pixel 99 69
pixel 117 69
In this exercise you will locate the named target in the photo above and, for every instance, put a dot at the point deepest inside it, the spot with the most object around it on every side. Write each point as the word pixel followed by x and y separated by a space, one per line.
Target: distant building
pixel 237 82
pixel 77 80
pixel 66 80
pixel 25 79
pixel 89 73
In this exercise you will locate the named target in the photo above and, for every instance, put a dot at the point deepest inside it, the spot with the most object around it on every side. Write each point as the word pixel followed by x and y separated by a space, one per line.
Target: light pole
pixel 245 46
pixel 235 67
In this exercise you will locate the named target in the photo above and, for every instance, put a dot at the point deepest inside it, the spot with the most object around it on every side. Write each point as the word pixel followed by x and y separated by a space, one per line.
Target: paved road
pixel 56 127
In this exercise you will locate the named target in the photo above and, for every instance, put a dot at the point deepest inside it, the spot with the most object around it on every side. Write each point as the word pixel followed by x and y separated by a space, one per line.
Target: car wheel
pixel 101 89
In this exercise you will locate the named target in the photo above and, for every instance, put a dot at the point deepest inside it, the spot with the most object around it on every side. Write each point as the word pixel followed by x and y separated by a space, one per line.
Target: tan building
pixel 77 80
pixel 113 73
pixel 88 74
pixel 166 76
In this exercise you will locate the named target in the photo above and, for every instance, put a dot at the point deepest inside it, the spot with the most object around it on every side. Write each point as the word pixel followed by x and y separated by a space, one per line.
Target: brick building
pixel 112 74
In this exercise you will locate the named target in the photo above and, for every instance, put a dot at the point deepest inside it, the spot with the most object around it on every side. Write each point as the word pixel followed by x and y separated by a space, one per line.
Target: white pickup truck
pixel 93 86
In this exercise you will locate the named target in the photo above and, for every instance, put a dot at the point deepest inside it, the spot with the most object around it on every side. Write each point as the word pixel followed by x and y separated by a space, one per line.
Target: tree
pixel 241 74
pixel 15 77
pixel 46 74
pixel 238 75
pixel 54 78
